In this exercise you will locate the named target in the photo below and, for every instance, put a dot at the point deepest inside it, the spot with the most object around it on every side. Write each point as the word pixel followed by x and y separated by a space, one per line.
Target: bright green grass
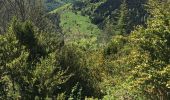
pixel 78 29
pixel 76 23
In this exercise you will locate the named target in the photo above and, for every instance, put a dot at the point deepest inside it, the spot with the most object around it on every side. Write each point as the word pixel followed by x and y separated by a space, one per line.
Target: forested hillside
pixel 84 49
pixel 53 4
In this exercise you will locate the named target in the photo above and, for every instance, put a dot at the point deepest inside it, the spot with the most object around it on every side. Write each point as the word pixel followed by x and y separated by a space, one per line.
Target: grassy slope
pixel 78 29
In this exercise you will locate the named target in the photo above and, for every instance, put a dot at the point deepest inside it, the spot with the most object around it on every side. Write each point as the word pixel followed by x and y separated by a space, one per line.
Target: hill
pixel 85 50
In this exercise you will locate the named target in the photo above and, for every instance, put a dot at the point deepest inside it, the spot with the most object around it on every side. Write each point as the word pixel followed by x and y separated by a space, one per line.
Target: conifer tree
pixel 122 23
pixel 25 72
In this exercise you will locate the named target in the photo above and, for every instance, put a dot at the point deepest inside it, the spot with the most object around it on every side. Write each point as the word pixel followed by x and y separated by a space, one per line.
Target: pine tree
pixel 22 77
pixel 122 23
pixel 117 22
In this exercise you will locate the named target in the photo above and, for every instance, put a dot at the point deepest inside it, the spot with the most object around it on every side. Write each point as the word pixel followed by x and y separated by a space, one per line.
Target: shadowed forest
pixel 84 49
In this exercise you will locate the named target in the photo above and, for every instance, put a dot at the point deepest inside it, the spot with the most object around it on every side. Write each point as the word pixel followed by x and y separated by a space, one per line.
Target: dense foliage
pixel 89 49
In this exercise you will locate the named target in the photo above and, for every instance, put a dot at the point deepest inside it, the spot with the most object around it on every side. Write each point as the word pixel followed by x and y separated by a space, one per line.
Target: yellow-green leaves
pixel 143 60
